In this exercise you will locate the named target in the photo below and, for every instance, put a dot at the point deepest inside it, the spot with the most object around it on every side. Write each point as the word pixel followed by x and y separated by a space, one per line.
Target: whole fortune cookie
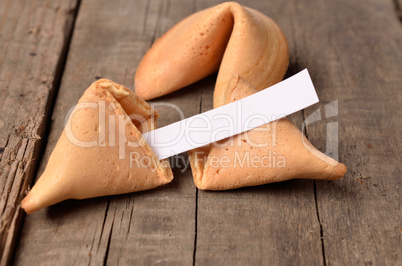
pixel 229 37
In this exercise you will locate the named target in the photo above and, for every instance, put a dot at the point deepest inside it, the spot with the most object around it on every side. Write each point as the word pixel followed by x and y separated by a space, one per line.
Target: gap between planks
pixel 19 218
pixel 398 9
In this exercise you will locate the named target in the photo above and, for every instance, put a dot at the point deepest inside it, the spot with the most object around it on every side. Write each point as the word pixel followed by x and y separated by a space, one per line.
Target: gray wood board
pixel 353 52
pixel 34 37
pixel 109 40
pixel 274 224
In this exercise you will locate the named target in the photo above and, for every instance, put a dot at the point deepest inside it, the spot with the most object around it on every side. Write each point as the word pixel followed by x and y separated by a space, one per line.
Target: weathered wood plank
pixel 158 226
pixel 275 224
pixel 34 37
pixel 109 40
pixel 353 52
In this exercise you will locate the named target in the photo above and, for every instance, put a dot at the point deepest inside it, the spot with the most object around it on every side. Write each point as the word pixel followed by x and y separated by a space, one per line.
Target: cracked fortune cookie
pixel 274 152
pixel 101 150
pixel 228 37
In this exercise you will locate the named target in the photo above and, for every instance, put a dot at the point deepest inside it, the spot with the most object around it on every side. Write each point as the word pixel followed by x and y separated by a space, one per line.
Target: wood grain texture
pixel 109 40
pixel 353 52
pixel 272 224
pixel 34 36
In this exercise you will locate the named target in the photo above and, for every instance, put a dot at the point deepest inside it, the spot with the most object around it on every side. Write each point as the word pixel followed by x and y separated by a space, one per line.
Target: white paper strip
pixel 275 102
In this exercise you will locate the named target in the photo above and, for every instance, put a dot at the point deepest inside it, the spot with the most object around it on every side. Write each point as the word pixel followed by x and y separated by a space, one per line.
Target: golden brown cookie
pixel 273 152
pixel 101 150
pixel 228 37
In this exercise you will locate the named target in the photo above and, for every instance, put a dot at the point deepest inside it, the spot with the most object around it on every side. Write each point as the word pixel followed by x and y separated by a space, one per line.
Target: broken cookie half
pixel 101 150
pixel 273 152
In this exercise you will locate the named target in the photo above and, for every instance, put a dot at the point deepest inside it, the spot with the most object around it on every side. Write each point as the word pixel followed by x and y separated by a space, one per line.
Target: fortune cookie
pixel 273 152
pixel 101 150
pixel 228 37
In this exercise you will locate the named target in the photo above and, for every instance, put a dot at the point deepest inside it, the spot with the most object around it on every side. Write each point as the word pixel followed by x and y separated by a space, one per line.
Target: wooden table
pixel 51 51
